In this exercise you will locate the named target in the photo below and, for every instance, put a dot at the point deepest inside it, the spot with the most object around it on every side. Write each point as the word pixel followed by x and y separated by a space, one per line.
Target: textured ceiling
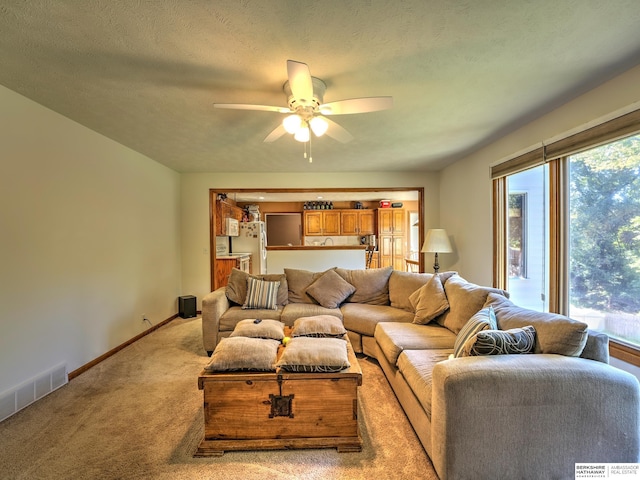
pixel 462 73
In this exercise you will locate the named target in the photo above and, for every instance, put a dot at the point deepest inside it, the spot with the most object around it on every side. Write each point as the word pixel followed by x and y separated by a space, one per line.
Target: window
pixel 517 234
pixel 604 226
pixel 585 227
pixel 526 238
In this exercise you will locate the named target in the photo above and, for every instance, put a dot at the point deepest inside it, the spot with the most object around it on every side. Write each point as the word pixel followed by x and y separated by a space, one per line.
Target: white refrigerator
pixel 252 239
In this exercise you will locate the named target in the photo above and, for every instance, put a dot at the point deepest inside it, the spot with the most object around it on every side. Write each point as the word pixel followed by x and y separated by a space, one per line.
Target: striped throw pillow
pixel 485 319
pixel 261 294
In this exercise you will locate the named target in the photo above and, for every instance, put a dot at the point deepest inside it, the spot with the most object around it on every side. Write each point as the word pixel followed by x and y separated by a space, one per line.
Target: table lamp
pixel 437 241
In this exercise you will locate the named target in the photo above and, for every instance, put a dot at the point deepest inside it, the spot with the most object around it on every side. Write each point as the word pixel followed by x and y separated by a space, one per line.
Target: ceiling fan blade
pixel 275 134
pixel 356 105
pixel 300 82
pixel 243 106
pixel 337 132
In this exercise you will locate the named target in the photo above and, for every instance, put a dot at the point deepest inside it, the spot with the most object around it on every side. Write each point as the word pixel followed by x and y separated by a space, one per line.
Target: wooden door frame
pixel 213 195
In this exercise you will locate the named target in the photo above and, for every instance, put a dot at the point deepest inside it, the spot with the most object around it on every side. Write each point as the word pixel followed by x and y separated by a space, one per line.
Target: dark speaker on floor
pixel 187 306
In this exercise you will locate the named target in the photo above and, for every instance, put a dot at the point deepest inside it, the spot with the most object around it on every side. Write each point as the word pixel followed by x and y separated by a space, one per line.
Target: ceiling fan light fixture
pixel 318 125
pixel 291 123
pixel 302 135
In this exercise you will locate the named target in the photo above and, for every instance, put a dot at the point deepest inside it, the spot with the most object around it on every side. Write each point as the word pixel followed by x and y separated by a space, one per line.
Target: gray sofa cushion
pixel 554 333
pixel 362 318
pixel 597 347
pixel 244 353
pixel 272 329
pixel 293 311
pixel 233 315
pixel 465 299
pixel 318 326
pixel 305 354
pixel 372 285
pixel 402 285
pixel 394 338
pixel 416 367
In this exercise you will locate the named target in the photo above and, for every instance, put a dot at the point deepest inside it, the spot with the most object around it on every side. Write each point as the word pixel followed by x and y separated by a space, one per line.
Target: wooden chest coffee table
pixel 280 410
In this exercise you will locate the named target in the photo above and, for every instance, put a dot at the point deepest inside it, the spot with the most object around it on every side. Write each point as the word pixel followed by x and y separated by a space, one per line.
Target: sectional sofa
pixel 491 389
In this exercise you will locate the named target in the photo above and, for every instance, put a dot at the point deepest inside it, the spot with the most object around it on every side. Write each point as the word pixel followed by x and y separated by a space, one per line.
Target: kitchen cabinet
pixel 321 222
pixel 357 222
pixel 391 237
pixel 225 210
pixel 225 264
pixel 391 221
pixel 339 222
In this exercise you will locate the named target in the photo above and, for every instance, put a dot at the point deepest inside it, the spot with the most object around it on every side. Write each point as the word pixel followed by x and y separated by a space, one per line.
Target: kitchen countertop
pixel 318 247
pixel 232 256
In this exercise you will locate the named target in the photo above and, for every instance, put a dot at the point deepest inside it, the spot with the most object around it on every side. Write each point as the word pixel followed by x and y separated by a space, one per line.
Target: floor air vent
pixel 31 390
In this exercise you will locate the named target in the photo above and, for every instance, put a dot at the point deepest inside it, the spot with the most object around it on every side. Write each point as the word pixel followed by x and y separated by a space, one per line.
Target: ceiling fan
pixel 307 110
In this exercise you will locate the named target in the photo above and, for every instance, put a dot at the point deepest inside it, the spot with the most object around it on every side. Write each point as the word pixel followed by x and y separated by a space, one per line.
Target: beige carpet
pixel 138 415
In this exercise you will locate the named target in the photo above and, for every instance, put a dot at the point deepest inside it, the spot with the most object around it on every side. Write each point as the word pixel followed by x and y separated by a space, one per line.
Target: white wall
pixel 465 187
pixel 89 241
pixel 196 276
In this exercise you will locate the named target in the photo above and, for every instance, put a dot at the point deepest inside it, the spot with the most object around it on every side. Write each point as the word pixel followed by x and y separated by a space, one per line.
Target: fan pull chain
pixel 305 151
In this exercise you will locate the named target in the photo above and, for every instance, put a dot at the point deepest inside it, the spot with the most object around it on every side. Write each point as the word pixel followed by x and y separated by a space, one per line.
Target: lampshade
pixel 302 135
pixel 437 241
pixel 319 125
pixel 291 123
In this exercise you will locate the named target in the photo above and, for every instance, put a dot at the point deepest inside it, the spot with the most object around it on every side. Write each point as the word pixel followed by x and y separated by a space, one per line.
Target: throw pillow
pixel 266 328
pixel 236 290
pixel 304 354
pixel 501 342
pixel 298 281
pixel 429 301
pixel 318 326
pixel 261 294
pixel 402 285
pixel 243 353
pixel 330 290
pixel 372 285
pixel 554 333
pixel 465 299
pixel 485 319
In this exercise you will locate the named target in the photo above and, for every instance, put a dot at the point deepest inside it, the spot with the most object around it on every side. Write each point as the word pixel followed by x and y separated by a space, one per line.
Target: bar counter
pixel 317 247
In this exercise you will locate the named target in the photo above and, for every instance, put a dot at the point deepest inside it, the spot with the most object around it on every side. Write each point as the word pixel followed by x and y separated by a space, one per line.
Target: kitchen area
pixel 291 231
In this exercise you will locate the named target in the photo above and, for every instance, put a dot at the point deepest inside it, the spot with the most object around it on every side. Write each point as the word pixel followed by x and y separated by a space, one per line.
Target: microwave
pixel 232 227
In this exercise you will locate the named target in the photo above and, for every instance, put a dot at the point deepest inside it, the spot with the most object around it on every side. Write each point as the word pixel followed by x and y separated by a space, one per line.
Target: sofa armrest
pixel 214 304
pixel 524 416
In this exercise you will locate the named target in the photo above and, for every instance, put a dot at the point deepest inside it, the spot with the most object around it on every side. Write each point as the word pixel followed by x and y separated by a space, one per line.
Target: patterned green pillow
pixel 261 294
pixel 502 342
pixel 485 319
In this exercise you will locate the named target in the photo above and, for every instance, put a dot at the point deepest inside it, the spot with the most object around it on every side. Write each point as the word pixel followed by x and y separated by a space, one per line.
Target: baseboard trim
pixel 101 358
